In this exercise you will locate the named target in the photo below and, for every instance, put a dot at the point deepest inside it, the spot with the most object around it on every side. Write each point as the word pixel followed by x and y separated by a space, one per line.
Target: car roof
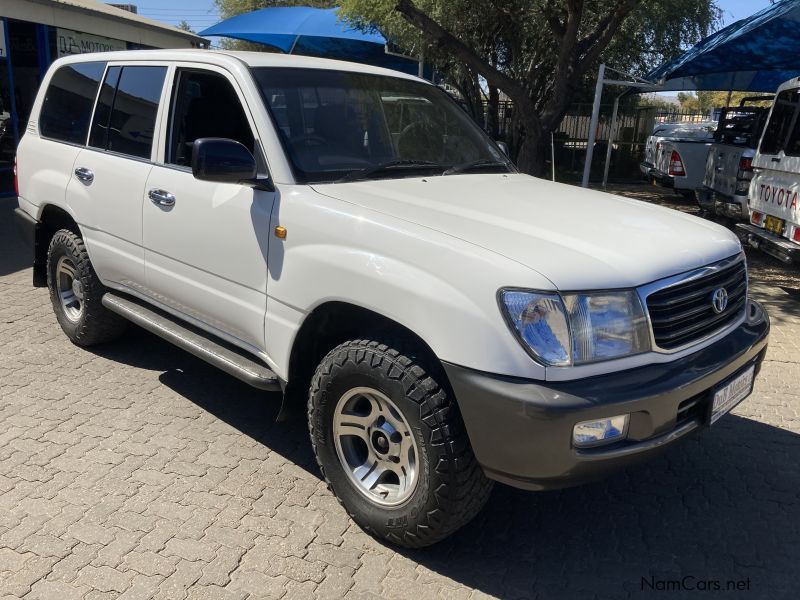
pixel 252 59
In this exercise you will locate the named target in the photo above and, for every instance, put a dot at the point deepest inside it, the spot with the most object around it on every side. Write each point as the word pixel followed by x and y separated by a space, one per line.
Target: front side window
pixel 68 103
pixel 125 119
pixel 334 123
pixel 781 121
pixel 204 105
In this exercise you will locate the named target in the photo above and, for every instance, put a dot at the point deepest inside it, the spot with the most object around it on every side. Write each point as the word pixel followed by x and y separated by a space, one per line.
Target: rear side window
pixel 125 118
pixel 781 122
pixel 68 102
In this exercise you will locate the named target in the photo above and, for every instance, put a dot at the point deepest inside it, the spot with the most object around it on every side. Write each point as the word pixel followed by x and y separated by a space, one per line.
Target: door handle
pixel 161 198
pixel 84 174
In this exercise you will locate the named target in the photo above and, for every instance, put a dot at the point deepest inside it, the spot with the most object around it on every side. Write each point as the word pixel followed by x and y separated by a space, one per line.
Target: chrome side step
pixel 195 341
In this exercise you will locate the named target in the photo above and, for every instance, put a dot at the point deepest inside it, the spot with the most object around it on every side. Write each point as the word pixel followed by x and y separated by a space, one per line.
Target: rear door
pixel 109 175
pixel 206 246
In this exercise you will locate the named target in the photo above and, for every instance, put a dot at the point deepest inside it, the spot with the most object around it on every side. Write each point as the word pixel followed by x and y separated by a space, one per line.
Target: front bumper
pixel 521 430
pixel 784 250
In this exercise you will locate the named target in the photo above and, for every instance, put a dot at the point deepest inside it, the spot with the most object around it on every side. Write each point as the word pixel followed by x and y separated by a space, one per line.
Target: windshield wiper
pixel 392 165
pixel 473 165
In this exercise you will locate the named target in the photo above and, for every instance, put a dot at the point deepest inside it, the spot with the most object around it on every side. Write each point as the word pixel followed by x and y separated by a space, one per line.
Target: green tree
pixel 542 54
pixel 185 26
pixel 706 101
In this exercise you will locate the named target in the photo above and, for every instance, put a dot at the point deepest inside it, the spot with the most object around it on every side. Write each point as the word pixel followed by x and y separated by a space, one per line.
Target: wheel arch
pixel 334 322
pixel 51 219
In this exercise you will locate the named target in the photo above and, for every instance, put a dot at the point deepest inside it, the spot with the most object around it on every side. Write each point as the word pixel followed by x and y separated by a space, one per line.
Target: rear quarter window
pixel 68 102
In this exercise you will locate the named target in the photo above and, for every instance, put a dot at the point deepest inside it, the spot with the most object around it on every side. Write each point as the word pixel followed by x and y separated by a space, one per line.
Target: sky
pixel 203 13
pixel 198 13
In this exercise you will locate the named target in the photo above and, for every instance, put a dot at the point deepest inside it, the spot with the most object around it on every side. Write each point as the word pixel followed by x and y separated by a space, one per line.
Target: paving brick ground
pixel 135 471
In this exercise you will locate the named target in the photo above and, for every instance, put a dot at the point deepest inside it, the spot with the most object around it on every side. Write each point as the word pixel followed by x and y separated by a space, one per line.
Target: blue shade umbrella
pixel 292 28
pixel 755 54
pixel 311 32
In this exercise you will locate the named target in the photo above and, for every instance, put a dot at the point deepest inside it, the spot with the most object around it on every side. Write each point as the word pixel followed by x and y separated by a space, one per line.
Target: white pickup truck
pixel 675 155
pixel 773 197
pixel 729 167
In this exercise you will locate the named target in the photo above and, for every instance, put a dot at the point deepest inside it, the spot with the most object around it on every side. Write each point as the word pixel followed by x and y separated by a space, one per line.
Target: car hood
pixel 579 239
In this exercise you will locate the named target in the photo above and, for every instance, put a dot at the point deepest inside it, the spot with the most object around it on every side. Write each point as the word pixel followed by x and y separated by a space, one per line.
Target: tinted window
pixel 68 102
pixel 132 122
pixel 780 122
pixel 99 135
pixel 205 105
pixel 334 123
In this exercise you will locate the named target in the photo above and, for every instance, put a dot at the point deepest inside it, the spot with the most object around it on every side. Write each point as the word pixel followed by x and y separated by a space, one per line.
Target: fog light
pixel 600 431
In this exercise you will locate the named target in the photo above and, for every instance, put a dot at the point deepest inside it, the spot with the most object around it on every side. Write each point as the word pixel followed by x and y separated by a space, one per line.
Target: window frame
pixel 168 115
pixel 92 109
pixel 793 123
pixel 159 109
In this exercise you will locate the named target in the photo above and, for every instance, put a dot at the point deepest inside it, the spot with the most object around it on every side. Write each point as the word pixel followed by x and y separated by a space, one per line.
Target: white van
pixel 773 198
pixel 347 236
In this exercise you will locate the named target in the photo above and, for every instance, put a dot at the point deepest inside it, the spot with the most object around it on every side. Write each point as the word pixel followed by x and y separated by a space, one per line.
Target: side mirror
pixel 504 147
pixel 223 161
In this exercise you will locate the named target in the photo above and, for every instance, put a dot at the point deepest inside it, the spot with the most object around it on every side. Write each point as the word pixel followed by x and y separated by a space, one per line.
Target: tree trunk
pixel 533 145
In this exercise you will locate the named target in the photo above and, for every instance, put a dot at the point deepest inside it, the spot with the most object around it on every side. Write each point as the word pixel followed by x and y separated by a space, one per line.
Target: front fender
pixel 442 288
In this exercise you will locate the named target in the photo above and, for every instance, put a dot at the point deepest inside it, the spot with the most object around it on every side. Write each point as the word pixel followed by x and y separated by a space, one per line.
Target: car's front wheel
pixel 391 443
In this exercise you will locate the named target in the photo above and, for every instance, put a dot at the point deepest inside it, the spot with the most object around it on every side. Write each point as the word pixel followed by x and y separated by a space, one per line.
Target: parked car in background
pixel 774 209
pixel 439 319
pixel 675 155
pixel 729 166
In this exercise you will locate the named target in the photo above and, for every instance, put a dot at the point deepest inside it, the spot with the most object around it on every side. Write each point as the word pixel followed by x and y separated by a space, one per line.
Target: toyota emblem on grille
pixel 719 300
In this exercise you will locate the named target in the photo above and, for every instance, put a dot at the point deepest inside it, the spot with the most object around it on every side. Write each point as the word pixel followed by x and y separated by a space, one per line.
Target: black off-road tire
pixel 451 487
pixel 96 324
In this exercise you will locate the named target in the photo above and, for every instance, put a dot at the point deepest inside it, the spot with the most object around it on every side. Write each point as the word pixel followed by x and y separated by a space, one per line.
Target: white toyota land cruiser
pixel 347 235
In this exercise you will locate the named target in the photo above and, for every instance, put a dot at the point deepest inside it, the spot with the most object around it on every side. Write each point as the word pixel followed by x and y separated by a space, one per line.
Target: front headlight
pixel 573 329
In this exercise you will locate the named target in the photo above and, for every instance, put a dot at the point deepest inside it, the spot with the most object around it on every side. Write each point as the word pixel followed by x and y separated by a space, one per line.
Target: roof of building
pixel 118 13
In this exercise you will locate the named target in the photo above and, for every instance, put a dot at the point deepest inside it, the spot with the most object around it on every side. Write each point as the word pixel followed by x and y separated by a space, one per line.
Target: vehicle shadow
pixel 14 256
pixel 723 505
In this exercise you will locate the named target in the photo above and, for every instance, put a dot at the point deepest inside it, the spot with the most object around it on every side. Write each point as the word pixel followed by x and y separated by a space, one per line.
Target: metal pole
pixel 612 132
pixel 553 154
pixel 421 66
pixel 598 95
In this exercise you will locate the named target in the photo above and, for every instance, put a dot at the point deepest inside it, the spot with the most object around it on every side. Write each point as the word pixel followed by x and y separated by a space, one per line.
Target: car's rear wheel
pixel 391 443
pixel 76 292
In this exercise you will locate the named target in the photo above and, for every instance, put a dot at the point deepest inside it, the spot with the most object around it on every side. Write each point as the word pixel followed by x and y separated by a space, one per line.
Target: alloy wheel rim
pixel 69 289
pixel 375 446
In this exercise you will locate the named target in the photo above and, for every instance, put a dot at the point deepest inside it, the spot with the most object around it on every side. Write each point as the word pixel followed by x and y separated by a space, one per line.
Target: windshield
pixel 335 125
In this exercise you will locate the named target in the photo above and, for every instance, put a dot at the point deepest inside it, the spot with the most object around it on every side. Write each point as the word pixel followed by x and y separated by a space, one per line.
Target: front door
pixel 206 243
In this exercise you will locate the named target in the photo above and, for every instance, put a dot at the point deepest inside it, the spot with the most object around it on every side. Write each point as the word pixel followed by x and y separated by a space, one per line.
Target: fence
pixel 634 126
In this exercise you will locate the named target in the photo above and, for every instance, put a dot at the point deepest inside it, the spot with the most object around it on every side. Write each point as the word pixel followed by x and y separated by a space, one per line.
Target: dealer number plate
pixel 728 396
pixel 774 225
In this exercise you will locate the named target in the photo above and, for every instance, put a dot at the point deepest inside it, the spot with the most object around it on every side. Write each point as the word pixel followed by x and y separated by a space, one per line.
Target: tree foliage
pixel 703 102
pixel 543 54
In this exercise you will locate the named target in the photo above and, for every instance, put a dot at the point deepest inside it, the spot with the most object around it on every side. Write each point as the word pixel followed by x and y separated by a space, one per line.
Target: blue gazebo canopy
pixel 311 32
pixel 755 54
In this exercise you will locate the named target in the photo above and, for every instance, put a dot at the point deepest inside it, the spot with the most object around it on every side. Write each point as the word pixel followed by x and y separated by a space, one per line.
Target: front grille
pixel 683 313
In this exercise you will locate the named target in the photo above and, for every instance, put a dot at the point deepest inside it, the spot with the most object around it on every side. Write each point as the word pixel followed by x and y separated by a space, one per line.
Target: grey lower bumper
pixel 521 430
